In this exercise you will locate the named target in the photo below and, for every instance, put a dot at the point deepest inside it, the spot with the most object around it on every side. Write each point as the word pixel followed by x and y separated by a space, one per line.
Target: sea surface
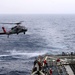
pixel 47 34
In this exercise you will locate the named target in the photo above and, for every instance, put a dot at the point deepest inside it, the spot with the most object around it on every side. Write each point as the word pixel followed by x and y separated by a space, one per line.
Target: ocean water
pixel 47 34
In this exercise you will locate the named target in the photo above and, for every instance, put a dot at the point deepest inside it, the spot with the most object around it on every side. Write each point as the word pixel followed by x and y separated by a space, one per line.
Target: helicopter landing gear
pixel 24 32
pixel 17 33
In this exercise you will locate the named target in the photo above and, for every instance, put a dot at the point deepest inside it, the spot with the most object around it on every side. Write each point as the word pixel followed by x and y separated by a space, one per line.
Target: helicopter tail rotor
pixel 4 30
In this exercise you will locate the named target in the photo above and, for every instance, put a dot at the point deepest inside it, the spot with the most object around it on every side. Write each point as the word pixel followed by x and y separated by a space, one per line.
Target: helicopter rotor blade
pixel 13 23
pixel 19 22
pixel 6 23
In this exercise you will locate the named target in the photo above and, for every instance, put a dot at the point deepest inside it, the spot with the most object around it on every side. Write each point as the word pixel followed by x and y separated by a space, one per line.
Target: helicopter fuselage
pixel 17 30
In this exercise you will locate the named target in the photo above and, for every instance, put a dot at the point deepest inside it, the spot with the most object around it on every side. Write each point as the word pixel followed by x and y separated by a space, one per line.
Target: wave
pixel 14 54
pixel 28 54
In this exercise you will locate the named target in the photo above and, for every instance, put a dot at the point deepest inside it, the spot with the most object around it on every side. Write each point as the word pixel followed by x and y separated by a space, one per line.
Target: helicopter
pixel 14 30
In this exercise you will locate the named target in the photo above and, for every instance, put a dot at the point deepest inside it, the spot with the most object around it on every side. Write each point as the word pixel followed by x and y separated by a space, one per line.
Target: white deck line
pixel 69 70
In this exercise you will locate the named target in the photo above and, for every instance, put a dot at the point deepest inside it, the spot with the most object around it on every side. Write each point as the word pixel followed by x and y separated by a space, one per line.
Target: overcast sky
pixel 37 6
